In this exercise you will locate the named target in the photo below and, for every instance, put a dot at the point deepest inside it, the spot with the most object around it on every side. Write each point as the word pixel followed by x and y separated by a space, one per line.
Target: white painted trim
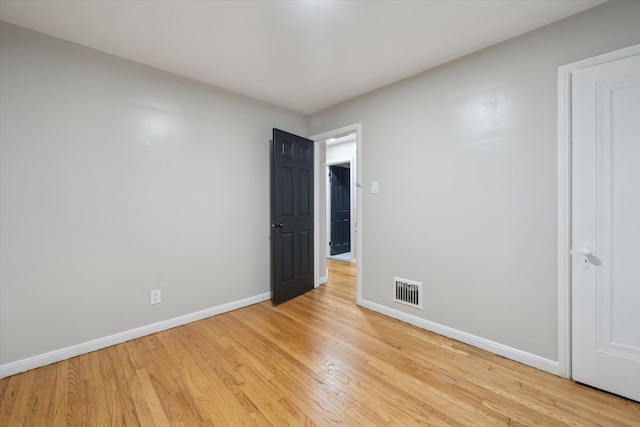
pixel 104 342
pixel 564 198
pixel 356 127
pixel 564 223
pixel 324 279
pixel 319 138
pixel 316 212
pixel 482 343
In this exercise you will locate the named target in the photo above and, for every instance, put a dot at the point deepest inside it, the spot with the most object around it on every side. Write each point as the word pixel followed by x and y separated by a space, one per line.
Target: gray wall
pixel 116 179
pixel 466 159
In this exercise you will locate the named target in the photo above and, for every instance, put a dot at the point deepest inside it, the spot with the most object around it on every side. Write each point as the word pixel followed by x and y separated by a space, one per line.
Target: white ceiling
pixel 304 55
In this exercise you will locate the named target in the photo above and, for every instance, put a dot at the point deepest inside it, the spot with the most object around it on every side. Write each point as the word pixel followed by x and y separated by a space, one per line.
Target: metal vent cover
pixel 408 292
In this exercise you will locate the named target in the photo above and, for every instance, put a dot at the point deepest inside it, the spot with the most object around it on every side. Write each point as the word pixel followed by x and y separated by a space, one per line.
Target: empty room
pixel 319 213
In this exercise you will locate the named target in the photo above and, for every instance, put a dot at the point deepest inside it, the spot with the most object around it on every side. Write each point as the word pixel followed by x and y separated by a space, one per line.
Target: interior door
pixel 606 226
pixel 292 254
pixel 340 177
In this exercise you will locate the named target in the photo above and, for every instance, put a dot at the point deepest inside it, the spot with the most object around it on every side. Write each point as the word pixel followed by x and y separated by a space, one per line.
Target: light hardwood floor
pixel 316 360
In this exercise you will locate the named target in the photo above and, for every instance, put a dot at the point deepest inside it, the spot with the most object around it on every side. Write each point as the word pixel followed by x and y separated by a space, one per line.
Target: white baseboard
pixel 485 344
pixel 322 279
pixel 97 344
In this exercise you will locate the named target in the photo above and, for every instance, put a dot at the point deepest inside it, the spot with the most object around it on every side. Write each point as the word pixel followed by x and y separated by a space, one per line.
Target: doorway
pixel 325 143
pixel 339 211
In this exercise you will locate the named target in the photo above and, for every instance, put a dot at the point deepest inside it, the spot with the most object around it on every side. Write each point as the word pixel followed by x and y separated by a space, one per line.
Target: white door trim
pixel 564 198
pixel 318 139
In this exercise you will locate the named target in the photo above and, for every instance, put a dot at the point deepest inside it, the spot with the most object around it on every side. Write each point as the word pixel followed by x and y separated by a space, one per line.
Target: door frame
pixel 357 196
pixel 351 202
pixel 565 73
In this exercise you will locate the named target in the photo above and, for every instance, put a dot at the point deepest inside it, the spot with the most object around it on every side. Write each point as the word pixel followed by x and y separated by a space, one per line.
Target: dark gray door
pixel 292 216
pixel 340 209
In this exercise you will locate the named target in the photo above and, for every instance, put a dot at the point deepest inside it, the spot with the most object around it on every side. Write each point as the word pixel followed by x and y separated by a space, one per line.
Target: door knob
pixel 586 251
pixel 280 225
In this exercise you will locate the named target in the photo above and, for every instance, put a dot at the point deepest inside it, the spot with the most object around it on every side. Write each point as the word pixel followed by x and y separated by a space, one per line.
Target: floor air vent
pixel 408 292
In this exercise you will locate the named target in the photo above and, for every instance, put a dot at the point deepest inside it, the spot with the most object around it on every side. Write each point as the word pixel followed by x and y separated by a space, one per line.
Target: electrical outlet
pixel 156 297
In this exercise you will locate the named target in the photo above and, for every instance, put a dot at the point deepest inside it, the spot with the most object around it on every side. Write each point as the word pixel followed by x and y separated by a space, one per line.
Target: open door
pixel 292 243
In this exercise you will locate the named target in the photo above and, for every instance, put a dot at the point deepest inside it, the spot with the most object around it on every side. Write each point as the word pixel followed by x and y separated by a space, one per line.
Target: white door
pixel 605 285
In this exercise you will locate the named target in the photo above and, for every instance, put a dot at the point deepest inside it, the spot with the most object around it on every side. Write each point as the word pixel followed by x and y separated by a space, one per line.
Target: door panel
pixel 287 190
pixel 292 254
pixel 340 209
pixel 606 226
pixel 305 199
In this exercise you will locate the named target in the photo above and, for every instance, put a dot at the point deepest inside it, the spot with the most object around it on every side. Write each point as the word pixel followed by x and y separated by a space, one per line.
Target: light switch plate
pixel 374 187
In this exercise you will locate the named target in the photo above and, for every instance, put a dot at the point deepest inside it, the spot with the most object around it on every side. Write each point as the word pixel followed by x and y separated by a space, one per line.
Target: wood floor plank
pixel 155 407
pixel 355 346
pixel 132 383
pixel 40 404
pixel 256 387
pixel 101 414
pixel 317 360
pixel 76 392
pixel 121 386
pixel 353 373
pixel 112 404
pixel 21 408
pixel 61 393
pixel 315 365
pixel 162 375
pixel 238 409
pixel 335 371
pixel 266 382
pixel 14 403
pixel 291 377
pixel 202 395
pixel 10 387
pixel 35 400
